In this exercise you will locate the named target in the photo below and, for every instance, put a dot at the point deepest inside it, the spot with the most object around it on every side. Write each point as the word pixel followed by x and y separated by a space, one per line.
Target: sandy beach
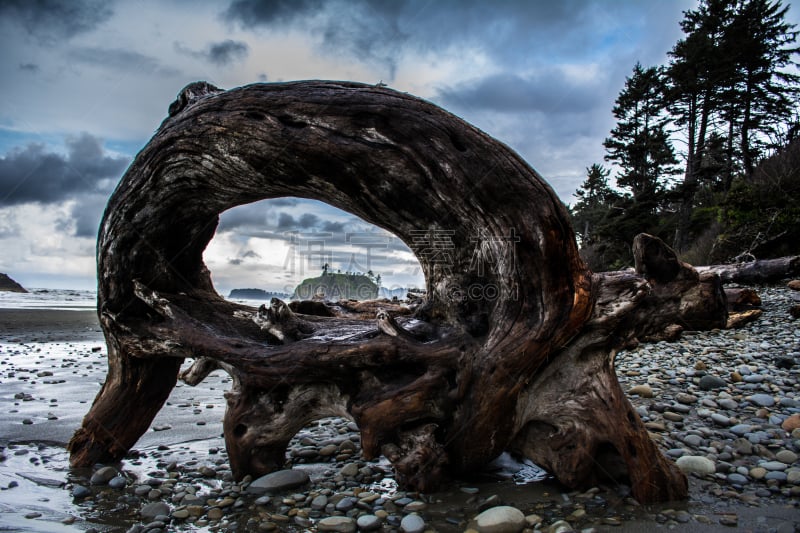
pixel 52 363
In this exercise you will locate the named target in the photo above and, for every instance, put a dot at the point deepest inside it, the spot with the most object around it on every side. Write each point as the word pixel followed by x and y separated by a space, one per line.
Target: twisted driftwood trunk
pixel 514 347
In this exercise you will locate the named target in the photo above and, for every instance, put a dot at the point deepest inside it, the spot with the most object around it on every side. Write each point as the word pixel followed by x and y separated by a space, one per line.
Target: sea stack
pixel 9 285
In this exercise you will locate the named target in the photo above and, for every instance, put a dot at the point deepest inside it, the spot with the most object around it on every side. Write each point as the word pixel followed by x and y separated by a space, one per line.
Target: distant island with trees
pixel 339 286
pixel 256 294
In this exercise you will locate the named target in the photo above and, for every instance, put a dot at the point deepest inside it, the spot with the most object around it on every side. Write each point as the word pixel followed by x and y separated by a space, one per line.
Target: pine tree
pixel 639 144
pixel 595 199
pixel 761 44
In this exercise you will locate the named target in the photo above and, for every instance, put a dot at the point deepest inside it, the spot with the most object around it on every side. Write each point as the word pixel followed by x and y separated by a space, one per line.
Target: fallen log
pixel 759 271
pixel 512 348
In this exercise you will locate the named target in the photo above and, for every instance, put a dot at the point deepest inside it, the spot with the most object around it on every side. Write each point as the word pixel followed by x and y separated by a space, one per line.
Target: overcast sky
pixel 85 83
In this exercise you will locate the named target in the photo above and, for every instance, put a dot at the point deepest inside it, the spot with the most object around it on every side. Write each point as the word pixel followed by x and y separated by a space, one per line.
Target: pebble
pixel 709 382
pixel 645 391
pixel 278 481
pixel 695 464
pixel 79 491
pixel 118 482
pixel 500 519
pixel 103 475
pixel 151 510
pixel 412 523
pixel 786 456
pixel 368 522
pixel 340 524
pixel 349 470
pixel 763 400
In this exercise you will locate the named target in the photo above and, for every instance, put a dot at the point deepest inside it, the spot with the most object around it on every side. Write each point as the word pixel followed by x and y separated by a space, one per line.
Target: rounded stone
pixel 339 524
pixel 737 479
pixel 79 491
pixel 709 382
pixel 412 523
pixel 645 391
pixel 277 481
pixel 696 464
pixel 349 470
pixel 150 511
pixel 118 482
pixel 786 456
pixel 773 466
pixel 103 475
pixel 500 519
pixel 368 522
pixel 792 423
pixel 762 400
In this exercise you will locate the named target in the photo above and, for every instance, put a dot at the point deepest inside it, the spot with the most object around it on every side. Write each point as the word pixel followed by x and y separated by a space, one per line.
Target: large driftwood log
pixel 758 271
pixel 514 347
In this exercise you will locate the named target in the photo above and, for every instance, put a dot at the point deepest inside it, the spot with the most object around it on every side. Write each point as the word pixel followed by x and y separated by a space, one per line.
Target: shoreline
pixel 52 363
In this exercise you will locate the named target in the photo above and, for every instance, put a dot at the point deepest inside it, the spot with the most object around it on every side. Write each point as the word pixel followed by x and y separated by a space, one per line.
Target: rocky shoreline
pixel 724 404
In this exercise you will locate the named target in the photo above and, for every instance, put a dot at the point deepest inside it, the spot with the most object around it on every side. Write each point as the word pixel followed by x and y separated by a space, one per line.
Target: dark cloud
pixel 333 227
pixel 227 51
pixel 253 216
pixel 548 91
pixel 308 220
pixel 85 215
pixel 50 21
pixel 286 221
pixel 221 53
pixel 32 174
pixel 253 13
pixel 119 59
pixel 509 32
pixel 29 67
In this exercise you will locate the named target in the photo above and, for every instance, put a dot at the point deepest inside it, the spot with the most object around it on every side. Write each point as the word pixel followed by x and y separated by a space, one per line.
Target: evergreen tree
pixel 639 144
pixel 595 199
pixel 761 45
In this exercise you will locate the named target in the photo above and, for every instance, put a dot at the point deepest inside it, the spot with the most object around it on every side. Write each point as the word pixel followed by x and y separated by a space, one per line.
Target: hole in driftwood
pixel 270 247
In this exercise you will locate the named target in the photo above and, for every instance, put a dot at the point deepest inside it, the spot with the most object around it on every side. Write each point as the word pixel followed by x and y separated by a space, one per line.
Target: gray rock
pixel 693 440
pixel 319 502
pixel 696 464
pixel 118 482
pixel 786 456
pixel 762 400
pixel 368 522
pixel 412 523
pixel 103 475
pixel 340 524
pixel 743 446
pixel 709 382
pixel 349 470
pixel 779 476
pixel 727 403
pixel 150 511
pixel 721 420
pixel 79 491
pixel 741 429
pixel 773 465
pixel 737 479
pixel 500 519
pixel 345 504
pixel 278 481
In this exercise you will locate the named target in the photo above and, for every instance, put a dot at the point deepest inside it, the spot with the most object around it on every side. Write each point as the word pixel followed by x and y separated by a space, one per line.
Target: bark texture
pixel 513 347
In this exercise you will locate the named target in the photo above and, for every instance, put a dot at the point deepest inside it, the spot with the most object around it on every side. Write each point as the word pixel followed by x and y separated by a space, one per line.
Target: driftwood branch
pixel 513 346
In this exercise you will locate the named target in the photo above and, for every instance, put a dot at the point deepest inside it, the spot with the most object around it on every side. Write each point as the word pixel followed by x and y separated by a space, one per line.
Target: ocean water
pixel 61 299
